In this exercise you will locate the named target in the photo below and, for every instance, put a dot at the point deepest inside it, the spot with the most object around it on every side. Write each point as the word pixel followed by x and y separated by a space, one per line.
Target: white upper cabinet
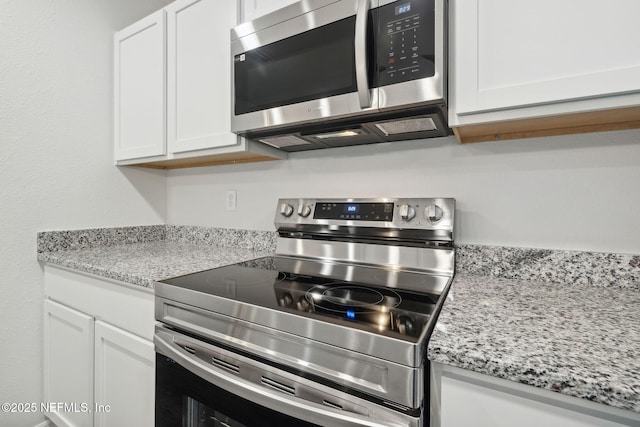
pixel 199 75
pixel 174 110
pixel 253 9
pixel 139 86
pixel 514 60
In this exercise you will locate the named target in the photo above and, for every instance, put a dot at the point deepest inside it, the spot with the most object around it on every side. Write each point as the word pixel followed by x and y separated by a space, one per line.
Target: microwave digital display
pixel 403 8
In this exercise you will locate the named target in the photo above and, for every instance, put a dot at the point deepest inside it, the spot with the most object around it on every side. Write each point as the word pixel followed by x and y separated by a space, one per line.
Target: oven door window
pixel 312 65
pixel 184 399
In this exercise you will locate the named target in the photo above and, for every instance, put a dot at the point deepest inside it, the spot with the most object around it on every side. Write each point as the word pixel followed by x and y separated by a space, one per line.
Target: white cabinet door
pixel 508 55
pixel 253 9
pixel 124 378
pixel 139 89
pixel 468 404
pixel 199 74
pixel 459 397
pixel 68 365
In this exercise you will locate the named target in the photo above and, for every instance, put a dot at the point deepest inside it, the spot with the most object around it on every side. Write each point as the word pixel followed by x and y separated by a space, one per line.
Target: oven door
pixel 301 65
pixel 201 384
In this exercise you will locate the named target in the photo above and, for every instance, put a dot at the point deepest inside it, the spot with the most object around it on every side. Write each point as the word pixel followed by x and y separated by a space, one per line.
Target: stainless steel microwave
pixel 330 73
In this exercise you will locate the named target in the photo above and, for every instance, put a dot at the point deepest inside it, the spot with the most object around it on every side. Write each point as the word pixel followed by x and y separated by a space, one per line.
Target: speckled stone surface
pixel 577 339
pixel 244 239
pixel 559 320
pixel 51 241
pixel 562 267
pixel 142 255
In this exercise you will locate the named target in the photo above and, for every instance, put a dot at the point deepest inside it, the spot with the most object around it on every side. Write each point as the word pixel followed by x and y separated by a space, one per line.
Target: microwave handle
pixel 362 80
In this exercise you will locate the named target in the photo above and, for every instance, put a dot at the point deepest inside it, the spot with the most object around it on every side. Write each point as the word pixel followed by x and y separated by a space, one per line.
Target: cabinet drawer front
pixel 121 305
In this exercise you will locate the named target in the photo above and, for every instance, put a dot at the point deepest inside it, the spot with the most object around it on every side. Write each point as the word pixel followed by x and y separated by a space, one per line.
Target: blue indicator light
pixel 351 314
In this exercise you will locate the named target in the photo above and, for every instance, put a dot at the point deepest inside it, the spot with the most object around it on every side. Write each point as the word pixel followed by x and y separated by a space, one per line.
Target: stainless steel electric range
pixel 331 330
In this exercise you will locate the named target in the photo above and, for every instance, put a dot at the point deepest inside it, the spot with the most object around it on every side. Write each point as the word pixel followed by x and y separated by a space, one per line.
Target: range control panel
pixel 389 213
pixel 362 211
pixel 405 41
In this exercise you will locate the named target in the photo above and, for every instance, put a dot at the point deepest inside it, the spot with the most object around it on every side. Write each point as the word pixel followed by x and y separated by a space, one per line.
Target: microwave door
pixel 303 69
pixel 415 74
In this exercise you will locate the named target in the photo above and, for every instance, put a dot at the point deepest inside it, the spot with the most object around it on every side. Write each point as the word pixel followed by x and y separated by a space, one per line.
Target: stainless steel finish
pixel 433 213
pixel 295 19
pixel 427 260
pixel 274 388
pixel 309 14
pixel 418 228
pixel 168 310
pixel 362 80
pixel 304 210
pixel 286 209
pixel 369 377
pixel 407 212
pixel 433 88
pixel 375 376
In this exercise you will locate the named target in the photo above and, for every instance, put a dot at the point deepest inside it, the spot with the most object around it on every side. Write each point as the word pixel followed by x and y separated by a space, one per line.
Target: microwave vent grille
pixel 420 124
pixel 284 141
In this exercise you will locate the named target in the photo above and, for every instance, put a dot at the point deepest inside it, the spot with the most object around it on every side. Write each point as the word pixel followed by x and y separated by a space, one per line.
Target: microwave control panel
pixel 405 40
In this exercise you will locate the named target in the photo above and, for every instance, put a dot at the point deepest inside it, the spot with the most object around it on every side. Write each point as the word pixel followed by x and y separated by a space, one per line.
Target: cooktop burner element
pixel 358 297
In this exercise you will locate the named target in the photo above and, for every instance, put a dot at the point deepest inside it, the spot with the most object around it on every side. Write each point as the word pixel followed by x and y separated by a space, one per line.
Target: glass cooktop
pixel 383 301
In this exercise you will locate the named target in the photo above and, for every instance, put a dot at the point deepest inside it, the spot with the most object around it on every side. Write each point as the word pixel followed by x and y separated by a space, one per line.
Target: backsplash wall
pixel 576 192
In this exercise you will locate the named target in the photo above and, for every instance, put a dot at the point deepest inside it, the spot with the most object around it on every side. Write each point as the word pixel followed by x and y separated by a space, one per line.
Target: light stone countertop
pixel 575 339
pixel 143 263
pixel 558 320
pixel 142 255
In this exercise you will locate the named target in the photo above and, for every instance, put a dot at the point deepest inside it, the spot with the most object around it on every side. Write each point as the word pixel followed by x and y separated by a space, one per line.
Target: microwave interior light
pixel 340 134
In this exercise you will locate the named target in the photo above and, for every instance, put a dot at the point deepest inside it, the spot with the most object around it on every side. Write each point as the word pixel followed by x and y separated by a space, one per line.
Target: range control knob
pixel 433 213
pixel 304 210
pixel 405 325
pixel 407 213
pixel 286 209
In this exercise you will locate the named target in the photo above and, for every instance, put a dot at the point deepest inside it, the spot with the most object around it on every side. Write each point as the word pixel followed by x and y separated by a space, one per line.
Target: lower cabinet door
pixel 124 378
pixel 68 365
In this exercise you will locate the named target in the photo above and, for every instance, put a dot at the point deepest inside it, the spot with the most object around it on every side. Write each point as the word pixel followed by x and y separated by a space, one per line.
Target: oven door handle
pixel 266 394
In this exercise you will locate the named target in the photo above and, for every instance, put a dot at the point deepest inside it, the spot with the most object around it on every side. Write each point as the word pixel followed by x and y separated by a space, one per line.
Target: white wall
pixel 56 170
pixel 577 192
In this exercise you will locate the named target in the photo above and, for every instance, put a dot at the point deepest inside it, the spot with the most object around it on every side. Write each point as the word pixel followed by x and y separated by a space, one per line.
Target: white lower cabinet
pixel 465 398
pixel 99 359
pixel 124 370
pixel 68 365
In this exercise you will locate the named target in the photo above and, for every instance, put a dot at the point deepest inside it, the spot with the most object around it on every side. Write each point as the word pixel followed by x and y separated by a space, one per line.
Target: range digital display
pixel 355 211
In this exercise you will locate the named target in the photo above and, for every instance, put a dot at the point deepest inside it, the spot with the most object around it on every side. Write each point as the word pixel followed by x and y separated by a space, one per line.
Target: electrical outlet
pixel 231 200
